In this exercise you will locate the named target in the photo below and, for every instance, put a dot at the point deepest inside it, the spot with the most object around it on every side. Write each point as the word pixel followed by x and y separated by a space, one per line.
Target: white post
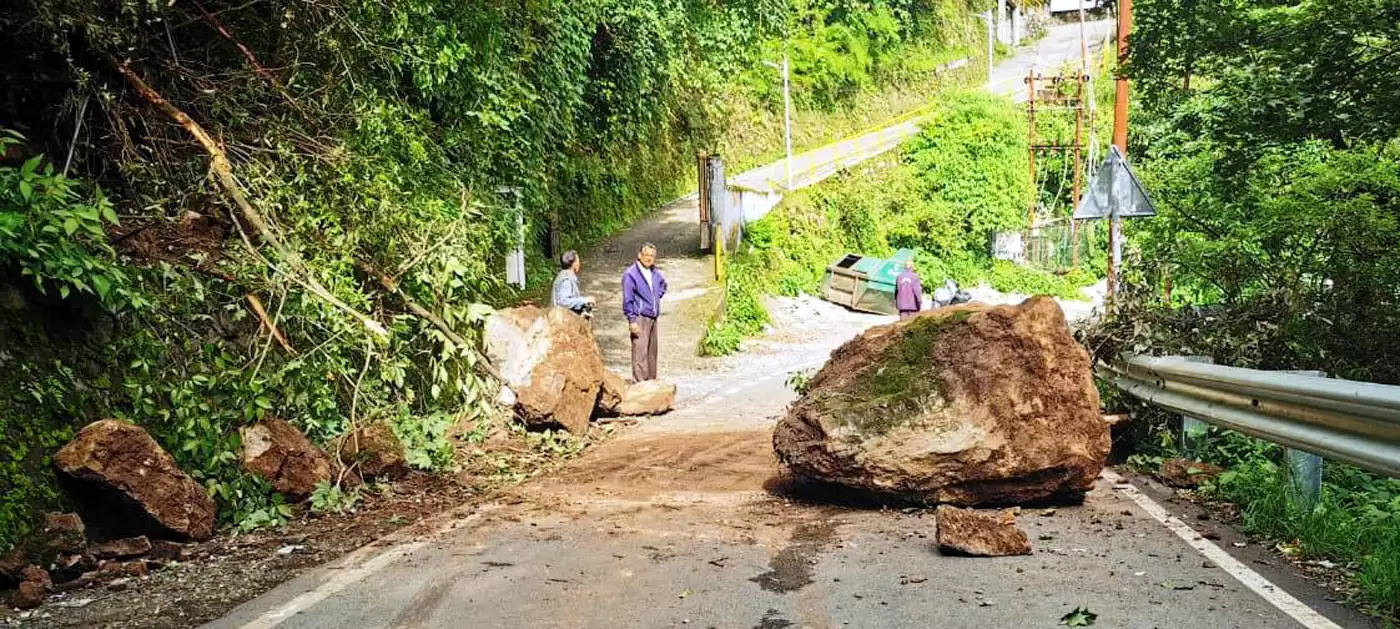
pixel 991 46
pixel 787 120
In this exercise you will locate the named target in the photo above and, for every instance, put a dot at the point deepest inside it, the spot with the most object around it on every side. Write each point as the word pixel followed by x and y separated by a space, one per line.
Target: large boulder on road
pixel 131 485
pixel 278 452
pixel 551 360
pixel 967 405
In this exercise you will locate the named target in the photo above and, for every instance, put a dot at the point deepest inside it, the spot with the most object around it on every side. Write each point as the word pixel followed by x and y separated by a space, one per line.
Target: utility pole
pixel 1120 139
pixel 787 115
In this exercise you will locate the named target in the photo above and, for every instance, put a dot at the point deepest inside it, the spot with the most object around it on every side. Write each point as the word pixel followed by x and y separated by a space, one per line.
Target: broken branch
pixel 224 174
pixel 257 306
pixel 418 310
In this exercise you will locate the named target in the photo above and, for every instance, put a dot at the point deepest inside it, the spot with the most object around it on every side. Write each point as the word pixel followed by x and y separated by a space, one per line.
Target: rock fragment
pixel 981 533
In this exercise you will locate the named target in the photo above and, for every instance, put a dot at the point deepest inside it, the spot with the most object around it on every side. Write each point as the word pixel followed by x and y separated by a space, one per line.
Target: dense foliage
pixel 962 178
pixel 1269 138
pixel 375 140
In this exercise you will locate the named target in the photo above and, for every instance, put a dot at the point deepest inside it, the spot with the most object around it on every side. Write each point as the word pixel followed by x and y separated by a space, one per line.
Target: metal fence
pixel 1056 247
pixel 1344 420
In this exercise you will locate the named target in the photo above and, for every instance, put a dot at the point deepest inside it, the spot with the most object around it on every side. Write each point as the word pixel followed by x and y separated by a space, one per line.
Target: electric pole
pixel 1120 138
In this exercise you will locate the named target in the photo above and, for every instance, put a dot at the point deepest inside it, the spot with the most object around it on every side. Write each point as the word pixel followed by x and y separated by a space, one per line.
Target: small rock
pixel 613 391
pixel 166 550
pixel 117 585
pixel 35 574
pixel 12 566
pixel 649 397
pixel 1186 474
pixel 68 567
pixel 1239 544
pixel 289 549
pixel 1047 513
pixel 980 533
pixel 66 532
pixel 28 595
pixel 122 548
pixel 1207 564
pixel 374 451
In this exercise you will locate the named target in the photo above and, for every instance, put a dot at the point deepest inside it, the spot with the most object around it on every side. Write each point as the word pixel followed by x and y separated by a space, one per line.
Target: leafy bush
pixel 960 179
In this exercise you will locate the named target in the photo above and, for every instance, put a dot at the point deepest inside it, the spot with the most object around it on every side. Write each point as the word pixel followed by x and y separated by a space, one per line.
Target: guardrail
pixel 1348 421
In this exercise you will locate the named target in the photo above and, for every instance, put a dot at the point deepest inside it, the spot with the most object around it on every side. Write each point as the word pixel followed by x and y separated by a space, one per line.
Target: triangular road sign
pixel 1114 184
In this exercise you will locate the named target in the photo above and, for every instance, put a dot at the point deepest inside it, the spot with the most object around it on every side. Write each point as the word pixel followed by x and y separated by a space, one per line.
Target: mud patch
pixel 791 569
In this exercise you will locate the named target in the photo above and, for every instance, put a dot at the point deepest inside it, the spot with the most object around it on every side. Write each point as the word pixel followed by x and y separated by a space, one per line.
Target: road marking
pixel 1299 611
pixel 345 576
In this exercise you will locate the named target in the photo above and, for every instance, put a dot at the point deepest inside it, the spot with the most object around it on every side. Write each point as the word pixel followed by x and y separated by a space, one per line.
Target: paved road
pixel 1047 55
pixel 688 520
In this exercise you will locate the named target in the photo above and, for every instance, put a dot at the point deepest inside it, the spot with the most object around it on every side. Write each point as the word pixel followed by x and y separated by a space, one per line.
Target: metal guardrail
pixel 1352 422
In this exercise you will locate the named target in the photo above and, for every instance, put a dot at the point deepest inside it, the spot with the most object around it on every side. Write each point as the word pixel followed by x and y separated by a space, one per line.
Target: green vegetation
pixel 1356 524
pixel 1274 162
pixel 373 139
pixel 959 180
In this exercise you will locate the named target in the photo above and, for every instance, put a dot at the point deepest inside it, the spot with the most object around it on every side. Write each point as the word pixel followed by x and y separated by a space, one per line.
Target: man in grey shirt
pixel 566 292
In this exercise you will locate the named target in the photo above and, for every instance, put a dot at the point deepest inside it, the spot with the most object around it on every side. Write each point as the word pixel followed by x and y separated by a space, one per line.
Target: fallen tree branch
pixel 257 306
pixel 248 54
pixel 418 310
pixel 224 175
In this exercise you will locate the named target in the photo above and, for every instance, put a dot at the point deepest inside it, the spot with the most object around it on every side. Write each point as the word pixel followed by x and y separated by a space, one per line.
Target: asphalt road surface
pixel 687 520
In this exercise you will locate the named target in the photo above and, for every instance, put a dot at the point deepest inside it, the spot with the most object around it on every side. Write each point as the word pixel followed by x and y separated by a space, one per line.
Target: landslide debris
pixel 969 405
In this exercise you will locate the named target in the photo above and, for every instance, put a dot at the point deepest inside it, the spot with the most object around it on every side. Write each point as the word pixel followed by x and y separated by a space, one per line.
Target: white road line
pixel 1306 616
pixel 348 576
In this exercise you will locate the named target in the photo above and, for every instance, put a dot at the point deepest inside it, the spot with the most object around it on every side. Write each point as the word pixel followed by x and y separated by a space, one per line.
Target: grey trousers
pixel 644 350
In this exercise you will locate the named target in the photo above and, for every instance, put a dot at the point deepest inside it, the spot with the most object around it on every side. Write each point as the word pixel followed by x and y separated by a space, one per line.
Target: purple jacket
pixel 639 299
pixel 908 292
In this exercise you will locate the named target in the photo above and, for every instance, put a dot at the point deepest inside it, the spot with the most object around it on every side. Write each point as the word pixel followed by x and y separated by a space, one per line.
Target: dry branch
pixel 218 162
pixel 257 306
pixel 418 310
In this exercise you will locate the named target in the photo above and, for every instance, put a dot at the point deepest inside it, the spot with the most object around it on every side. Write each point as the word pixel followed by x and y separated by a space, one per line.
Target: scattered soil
pixel 230 569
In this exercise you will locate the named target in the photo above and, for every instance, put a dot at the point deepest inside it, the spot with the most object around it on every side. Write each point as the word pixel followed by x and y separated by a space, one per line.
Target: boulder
pixel 28 595
pixel 136 486
pixel 967 405
pixel 278 452
pixel 551 360
pixel 648 397
pixel 12 565
pixel 373 451
pixel 614 388
pixel 65 533
pixel 1187 474
pixel 35 574
pixel 979 533
pixel 165 550
pixel 122 548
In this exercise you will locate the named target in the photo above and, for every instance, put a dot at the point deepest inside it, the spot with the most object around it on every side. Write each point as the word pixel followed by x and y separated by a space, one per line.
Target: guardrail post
pixel 1305 474
pixel 1193 430
pixel 1305 468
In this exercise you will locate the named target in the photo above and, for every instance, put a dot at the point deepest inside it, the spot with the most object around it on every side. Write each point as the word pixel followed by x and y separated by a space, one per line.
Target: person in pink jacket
pixel 908 292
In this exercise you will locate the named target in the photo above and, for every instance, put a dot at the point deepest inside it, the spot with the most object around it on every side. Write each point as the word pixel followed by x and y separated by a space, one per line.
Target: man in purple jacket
pixel 642 289
pixel 908 291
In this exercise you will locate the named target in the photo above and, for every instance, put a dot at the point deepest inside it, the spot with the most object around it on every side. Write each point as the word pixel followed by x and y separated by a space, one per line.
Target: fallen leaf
pixel 1079 617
